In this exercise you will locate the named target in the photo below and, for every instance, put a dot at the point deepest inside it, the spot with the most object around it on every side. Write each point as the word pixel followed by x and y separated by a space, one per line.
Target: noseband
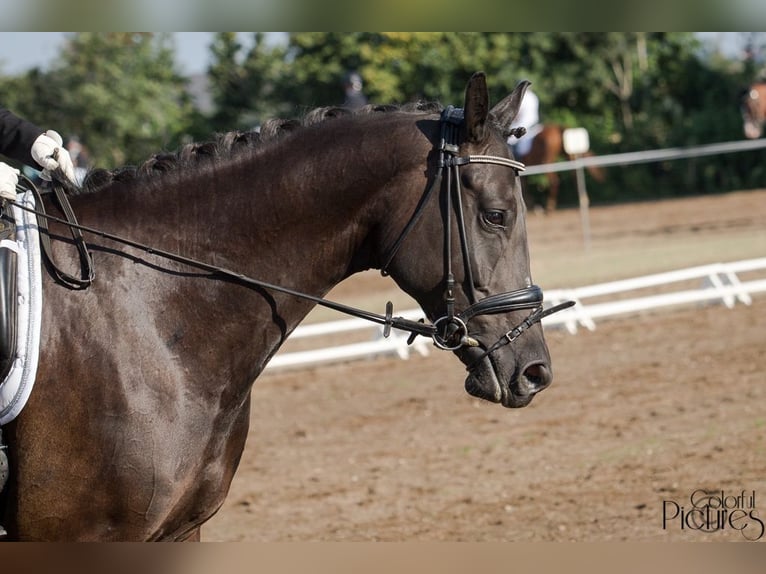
pixel 450 332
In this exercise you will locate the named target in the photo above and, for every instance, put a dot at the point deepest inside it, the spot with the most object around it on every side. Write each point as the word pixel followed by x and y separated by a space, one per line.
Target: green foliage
pixel 397 67
pixel 117 92
pixel 245 84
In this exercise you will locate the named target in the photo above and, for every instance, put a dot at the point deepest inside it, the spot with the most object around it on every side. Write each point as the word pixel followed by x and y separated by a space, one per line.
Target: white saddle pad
pixel 16 388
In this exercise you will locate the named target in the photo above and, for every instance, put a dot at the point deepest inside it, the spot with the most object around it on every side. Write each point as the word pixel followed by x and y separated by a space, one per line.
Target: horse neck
pixel 299 213
pixel 334 194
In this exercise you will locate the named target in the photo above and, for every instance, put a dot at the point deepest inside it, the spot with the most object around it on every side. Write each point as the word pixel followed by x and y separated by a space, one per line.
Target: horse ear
pixel 505 111
pixel 476 108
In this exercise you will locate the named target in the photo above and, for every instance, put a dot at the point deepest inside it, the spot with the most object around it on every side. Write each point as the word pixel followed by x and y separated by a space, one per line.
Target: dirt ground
pixel 645 413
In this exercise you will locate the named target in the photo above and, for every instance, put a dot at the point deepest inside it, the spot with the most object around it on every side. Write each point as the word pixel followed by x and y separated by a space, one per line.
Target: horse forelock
pixel 230 145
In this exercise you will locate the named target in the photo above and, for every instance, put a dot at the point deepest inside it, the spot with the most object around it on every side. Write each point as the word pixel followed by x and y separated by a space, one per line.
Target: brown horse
pixel 548 147
pixel 753 108
pixel 140 410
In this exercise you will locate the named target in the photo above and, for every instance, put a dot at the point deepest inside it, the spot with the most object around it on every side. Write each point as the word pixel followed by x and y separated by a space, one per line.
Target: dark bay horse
pixel 753 108
pixel 548 147
pixel 140 410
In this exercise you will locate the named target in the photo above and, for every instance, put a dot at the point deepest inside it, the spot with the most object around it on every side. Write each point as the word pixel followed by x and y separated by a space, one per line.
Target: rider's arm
pixel 17 136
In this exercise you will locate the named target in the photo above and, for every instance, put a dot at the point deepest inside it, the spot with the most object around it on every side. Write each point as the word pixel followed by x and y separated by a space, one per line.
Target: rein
pixel 86 261
pixel 450 332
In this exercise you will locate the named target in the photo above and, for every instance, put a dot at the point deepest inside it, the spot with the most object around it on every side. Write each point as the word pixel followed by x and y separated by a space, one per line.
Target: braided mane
pixel 230 144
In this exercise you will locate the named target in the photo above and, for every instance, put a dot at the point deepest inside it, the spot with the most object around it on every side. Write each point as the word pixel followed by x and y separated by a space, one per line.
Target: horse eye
pixel 494 218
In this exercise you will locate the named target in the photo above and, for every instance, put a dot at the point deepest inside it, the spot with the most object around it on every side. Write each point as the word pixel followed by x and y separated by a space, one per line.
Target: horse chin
pixel 484 382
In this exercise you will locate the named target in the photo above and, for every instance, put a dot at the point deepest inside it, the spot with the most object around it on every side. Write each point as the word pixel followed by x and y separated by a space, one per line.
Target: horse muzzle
pixel 492 375
pixel 502 378
pixel 512 377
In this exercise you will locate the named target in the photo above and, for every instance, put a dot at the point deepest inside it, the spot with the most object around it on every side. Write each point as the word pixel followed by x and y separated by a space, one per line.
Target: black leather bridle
pixel 449 332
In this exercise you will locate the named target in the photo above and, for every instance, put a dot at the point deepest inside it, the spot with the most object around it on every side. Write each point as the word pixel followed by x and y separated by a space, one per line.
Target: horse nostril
pixel 538 375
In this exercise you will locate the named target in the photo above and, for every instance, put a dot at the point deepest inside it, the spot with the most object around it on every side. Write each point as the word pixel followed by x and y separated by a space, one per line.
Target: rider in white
pixel 529 118
pixel 33 146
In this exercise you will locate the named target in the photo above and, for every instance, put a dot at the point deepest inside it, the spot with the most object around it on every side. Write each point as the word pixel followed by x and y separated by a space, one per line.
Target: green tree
pixel 397 67
pixel 245 83
pixel 118 92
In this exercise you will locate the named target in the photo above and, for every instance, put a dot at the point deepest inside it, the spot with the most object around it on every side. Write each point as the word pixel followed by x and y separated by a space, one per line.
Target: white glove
pixel 9 177
pixel 48 151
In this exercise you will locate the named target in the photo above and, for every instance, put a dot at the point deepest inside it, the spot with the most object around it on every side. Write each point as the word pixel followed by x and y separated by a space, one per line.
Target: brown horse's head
pixel 485 251
pixel 753 108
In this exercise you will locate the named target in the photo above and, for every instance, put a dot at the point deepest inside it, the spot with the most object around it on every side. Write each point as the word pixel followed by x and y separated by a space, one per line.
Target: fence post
pixel 576 144
pixel 582 194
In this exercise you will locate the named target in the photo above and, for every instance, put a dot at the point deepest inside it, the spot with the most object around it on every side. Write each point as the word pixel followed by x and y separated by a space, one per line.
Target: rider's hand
pixel 48 151
pixel 9 177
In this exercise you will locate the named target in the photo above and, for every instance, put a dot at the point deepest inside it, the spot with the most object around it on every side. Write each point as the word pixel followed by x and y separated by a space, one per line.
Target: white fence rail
pixel 647 156
pixel 717 282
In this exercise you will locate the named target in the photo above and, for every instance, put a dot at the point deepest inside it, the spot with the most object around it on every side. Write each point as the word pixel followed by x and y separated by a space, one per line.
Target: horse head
pixel 476 284
pixel 753 108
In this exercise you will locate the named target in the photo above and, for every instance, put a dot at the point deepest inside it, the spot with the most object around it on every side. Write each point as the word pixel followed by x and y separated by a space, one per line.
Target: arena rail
pixel 647 156
pixel 719 283
pixel 714 283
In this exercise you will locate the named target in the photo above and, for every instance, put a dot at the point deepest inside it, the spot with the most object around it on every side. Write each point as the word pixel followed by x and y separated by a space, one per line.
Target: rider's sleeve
pixel 17 136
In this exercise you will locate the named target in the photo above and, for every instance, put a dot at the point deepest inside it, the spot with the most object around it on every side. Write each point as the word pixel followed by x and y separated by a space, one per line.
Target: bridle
pixel 449 332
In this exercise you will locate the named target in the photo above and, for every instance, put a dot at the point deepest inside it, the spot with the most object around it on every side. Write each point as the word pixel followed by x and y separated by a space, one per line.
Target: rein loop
pixel 88 273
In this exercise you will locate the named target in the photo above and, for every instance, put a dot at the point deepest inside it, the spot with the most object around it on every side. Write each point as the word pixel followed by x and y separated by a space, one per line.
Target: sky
pixel 21 51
